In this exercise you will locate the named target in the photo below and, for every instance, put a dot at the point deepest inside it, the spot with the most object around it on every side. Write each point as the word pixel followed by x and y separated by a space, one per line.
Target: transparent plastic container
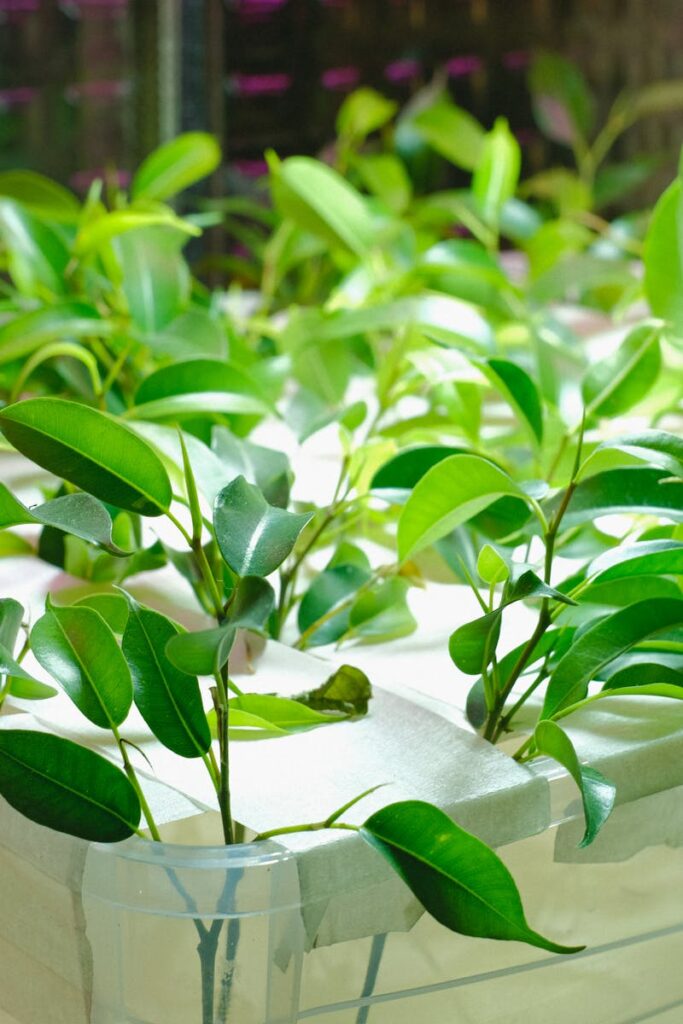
pixel 183 934
pixel 110 935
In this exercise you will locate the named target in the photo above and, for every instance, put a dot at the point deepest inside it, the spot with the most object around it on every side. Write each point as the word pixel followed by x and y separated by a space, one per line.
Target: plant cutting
pixel 107 651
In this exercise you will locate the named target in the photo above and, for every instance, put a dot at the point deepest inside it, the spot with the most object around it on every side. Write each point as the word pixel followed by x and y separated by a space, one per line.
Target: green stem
pixel 317 826
pixel 133 779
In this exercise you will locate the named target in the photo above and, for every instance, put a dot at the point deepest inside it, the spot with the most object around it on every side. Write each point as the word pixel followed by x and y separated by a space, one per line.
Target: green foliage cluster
pixel 480 440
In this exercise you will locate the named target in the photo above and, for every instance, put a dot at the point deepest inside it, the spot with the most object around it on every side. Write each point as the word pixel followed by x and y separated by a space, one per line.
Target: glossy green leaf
pixel 100 231
pixel 80 515
pixel 154 276
pixel 449 494
pixel 254 537
pixel 66 787
pixel 382 613
pixel 267 468
pixel 597 792
pixel 473 645
pixel 614 385
pixel 200 403
pixel 191 334
pixel 176 165
pixel 624 490
pixel 397 477
pixel 11 617
pixel 203 652
pixel 320 201
pixel 656 448
pixel 452 132
pixel 90 449
pixel 456 877
pixel 364 111
pixel 287 715
pixel 475 707
pixel 27 332
pixel 37 256
pixel 40 195
pixel 647 669
pixel 519 390
pixel 168 699
pixel 333 586
pixel 491 567
pixel 663 257
pixel 643 559
pixel 23 688
pixel 192 376
pixel 78 649
pixel 497 172
pixel 112 607
pixel 385 177
pixel 602 643
pixel 529 585
pixel 562 104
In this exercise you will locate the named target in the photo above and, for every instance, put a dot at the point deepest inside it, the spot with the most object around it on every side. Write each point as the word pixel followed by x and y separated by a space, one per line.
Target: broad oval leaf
pixel 287 715
pixel 364 111
pixel 602 643
pixel 78 649
pixel 176 165
pixel 449 494
pixel 664 257
pixel 40 195
pixel 90 449
pixel 66 787
pixel 37 256
pixel 597 793
pixel 192 376
pixel 397 477
pixel 518 388
pixel 11 617
pixel 112 607
pixel 382 613
pixel 168 699
pixel 624 490
pixel 614 385
pixel 452 132
pixel 456 877
pixel 497 173
pixel 254 537
pixel 646 558
pixel 334 586
pixel 491 566
pixel 203 652
pixel 473 645
pixel 200 403
pixel 320 201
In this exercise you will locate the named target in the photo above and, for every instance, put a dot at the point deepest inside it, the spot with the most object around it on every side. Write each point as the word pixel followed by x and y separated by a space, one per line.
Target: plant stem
pixel 134 781
pixel 316 826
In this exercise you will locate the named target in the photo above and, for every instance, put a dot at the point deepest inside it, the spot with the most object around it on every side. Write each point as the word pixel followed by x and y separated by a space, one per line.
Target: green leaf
pixel 11 617
pixel 321 202
pixel 473 645
pixel 647 669
pixel 601 643
pixel 100 231
pixel 252 603
pixel 267 468
pixel 385 176
pixel 491 566
pixel 364 111
pixel 168 699
pixel 28 332
pixel 77 648
pixel 475 708
pixel 69 788
pixel 529 586
pixel 155 277
pixel 112 607
pixel 497 172
pixel 597 793
pixel 456 877
pixel 624 490
pixel 286 715
pixel 37 256
pixel 201 653
pixel 663 257
pixel 30 689
pixel 563 106
pixel 176 165
pixel 254 537
pixel 397 477
pixel 382 613
pixel 40 195
pixel 519 390
pixel 657 448
pixel 78 514
pixel 193 376
pixel 449 494
pixel 334 585
pixel 347 690
pixel 90 449
pixel 189 335
pixel 10 667
pixel 647 558
pixel 200 403
pixel 614 385
pixel 452 132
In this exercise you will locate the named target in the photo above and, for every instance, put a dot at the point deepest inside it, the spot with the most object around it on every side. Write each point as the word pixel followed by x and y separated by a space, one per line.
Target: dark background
pixel 90 86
